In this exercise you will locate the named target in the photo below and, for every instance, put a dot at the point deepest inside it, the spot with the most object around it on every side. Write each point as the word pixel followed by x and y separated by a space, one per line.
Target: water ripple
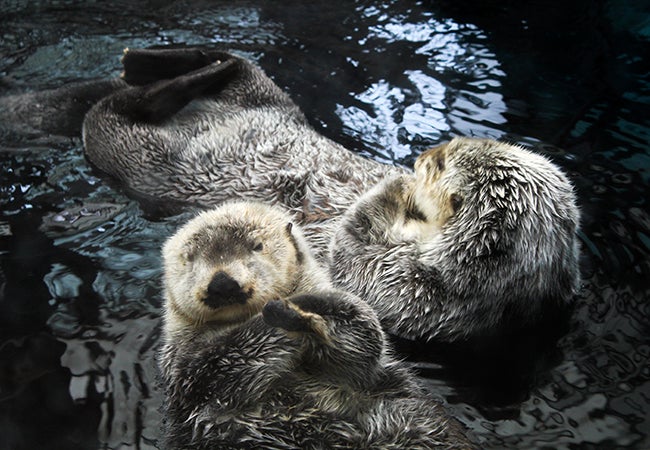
pixel 80 272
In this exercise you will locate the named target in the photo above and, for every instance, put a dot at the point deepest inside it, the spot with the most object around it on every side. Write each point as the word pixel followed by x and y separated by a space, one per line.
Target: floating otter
pixel 311 371
pixel 482 237
pixel 201 127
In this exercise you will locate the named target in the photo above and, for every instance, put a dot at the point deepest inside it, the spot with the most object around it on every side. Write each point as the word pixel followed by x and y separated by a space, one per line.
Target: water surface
pixel 80 265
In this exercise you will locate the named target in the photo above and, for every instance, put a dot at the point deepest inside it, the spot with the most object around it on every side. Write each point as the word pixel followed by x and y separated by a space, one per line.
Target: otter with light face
pixel 261 352
pixel 224 265
pixel 482 238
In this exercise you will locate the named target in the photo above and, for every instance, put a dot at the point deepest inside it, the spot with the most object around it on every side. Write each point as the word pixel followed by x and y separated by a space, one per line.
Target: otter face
pixel 486 192
pixel 226 264
pixel 438 193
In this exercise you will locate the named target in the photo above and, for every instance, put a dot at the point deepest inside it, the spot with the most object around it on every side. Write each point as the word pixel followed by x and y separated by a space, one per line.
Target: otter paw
pixel 281 314
pixel 286 315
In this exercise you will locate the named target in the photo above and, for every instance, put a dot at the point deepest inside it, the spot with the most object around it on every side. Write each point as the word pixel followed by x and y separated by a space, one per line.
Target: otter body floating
pixel 261 352
pixel 482 238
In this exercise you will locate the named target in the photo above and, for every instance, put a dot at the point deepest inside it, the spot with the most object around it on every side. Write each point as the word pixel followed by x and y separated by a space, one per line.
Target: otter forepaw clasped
pixel 286 315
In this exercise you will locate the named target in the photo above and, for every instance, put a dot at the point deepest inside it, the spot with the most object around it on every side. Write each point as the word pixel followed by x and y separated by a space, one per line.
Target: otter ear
pixel 289 227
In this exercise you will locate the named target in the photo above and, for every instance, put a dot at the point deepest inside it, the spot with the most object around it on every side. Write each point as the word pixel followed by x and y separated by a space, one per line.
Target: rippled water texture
pixel 79 262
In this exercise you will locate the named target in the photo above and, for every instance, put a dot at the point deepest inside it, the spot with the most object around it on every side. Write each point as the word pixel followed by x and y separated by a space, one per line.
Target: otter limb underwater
pixel 261 352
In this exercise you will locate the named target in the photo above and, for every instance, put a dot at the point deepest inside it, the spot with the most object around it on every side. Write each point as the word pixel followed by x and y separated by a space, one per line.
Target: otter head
pixel 467 187
pixel 488 197
pixel 223 266
pixel 438 191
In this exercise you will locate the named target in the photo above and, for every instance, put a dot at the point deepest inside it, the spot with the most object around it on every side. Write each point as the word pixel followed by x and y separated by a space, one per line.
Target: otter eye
pixel 258 247
pixel 456 201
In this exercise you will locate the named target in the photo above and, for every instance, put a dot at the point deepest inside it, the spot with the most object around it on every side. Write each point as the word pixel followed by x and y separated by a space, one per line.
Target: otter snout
pixel 224 290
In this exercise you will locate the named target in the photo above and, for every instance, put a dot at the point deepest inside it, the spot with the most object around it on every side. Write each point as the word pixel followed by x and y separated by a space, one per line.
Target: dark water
pixel 79 260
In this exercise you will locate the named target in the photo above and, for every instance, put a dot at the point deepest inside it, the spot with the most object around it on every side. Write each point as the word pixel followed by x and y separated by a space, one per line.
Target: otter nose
pixel 224 290
pixel 224 285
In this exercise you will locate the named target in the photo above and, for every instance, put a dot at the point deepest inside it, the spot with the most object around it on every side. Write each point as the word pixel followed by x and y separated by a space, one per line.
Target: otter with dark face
pixel 199 127
pixel 481 238
pixel 261 352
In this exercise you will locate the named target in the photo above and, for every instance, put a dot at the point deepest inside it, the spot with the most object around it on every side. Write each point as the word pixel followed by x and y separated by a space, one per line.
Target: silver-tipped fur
pixel 481 237
pixel 311 371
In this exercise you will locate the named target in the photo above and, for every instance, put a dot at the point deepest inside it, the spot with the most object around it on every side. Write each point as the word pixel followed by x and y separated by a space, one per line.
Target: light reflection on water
pixel 422 105
pixel 80 274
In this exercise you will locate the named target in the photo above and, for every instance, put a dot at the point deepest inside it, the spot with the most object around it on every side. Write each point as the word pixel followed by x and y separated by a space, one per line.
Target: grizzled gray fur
pixel 481 238
pixel 270 356
pixel 199 127
pixel 492 242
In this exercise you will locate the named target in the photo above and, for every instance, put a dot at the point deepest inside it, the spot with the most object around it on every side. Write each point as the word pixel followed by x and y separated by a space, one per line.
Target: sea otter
pixel 482 237
pixel 199 127
pixel 260 351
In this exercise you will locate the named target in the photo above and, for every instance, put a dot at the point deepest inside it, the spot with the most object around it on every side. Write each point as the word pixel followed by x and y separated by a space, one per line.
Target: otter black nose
pixel 224 290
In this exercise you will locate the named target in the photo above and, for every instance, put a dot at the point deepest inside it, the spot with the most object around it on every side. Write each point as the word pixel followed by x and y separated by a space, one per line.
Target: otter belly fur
pixel 481 238
pixel 261 352
pixel 201 127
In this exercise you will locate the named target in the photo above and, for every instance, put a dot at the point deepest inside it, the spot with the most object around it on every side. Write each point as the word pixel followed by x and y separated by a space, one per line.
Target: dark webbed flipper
pixel 289 317
pixel 158 101
pixel 280 314
pixel 146 66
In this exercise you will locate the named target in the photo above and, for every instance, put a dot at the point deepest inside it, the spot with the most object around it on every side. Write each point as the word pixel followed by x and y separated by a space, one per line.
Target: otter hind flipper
pixel 146 66
pixel 161 100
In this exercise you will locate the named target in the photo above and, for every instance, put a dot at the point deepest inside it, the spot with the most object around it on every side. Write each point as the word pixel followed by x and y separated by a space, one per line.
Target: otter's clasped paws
pixel 286 315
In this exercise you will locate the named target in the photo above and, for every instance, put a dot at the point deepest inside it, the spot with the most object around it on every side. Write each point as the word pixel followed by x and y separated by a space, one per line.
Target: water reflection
pixel 426 105
pixel 111 344
pixel 79 262
pixel 121 378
